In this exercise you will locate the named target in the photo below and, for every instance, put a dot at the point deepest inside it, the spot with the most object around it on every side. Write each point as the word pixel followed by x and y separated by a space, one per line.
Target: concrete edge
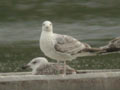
pixel 29 77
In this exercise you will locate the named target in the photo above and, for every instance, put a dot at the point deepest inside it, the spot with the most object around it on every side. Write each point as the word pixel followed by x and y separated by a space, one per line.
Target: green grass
pixel 13 56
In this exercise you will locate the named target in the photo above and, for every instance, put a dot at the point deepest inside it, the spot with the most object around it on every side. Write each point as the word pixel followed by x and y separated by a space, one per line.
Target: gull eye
pixel 34 62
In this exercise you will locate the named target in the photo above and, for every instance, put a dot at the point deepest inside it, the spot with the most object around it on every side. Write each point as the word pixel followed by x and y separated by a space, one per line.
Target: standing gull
pixel 41 66
pixel 62 47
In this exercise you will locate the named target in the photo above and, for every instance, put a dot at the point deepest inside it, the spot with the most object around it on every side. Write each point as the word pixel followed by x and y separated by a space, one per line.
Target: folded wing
pixel 69 45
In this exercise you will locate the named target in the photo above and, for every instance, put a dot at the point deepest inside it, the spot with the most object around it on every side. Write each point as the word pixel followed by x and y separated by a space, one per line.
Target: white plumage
pixel 62 47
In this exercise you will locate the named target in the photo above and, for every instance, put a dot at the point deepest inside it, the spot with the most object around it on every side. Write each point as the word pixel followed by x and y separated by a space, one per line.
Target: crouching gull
pixel 41 66
pixel 112 46
pixel 62 47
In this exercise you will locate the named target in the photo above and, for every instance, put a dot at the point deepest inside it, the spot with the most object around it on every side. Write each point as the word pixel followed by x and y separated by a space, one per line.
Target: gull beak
pixel 25 67
pixel 47 27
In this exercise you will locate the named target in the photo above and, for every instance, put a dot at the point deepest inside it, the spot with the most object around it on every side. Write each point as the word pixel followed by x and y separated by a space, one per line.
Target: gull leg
pixel 58 61
pixel 64 67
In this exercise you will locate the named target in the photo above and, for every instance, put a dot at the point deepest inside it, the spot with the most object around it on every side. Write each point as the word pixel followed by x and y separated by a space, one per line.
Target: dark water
pixel 92 21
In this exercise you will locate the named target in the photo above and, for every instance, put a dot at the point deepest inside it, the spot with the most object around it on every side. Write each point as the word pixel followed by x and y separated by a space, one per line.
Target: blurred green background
pixel 93 21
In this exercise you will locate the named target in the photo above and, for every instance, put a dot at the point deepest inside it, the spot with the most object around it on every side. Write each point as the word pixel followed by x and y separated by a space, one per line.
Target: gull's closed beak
pixel 25 67
pixel 47 27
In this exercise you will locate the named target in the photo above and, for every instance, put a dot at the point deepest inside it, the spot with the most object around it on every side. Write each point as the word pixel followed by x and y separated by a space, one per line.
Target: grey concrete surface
pixel 106 80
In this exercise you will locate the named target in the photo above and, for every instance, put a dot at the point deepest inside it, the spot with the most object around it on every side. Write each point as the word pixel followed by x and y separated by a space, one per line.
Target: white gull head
pixel 47 26
pixel 36 63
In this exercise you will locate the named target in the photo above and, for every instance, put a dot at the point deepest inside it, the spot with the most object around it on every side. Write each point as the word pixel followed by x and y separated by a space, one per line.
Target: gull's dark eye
pixel 34 62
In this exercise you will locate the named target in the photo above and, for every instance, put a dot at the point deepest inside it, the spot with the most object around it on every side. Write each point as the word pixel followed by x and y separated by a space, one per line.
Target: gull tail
pixel 90 52
pixel 94 50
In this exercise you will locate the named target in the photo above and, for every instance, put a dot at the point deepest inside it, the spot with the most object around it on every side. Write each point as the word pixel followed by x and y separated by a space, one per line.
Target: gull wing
pixel 47 69
pixel 69 45
pixel 53 69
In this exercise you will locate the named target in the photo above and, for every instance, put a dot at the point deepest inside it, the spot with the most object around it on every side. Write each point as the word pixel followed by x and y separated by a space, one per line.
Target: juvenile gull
pixel 62 47
pixel 41 66
pixel 112 46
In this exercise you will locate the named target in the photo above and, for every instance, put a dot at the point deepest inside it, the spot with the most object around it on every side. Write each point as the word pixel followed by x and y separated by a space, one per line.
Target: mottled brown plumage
pixel 54 69
pixel 41 66
pixel 67 44
pixel 113 45
pixel 70 45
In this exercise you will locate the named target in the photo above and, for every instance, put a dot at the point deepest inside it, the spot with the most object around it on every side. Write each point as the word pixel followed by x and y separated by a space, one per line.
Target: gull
pixel 41 66
pixel 62 47
pixel 112 46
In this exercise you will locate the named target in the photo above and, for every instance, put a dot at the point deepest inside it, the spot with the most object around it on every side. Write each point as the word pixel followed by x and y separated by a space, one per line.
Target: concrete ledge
pixel 106 80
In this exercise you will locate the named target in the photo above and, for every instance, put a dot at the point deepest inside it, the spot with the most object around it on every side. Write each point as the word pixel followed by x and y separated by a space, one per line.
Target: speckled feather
pixel 53 69
pixel 113 45
pixel 69 45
